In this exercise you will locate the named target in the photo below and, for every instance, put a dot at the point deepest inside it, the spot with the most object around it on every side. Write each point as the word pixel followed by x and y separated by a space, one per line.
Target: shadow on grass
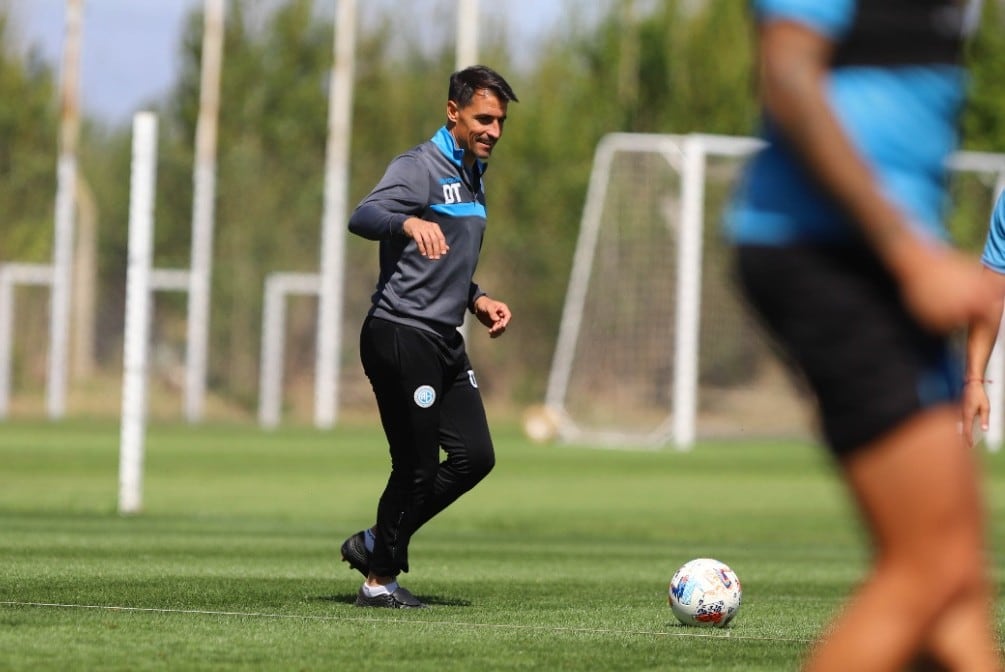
pixel 677 627
pixel 428 600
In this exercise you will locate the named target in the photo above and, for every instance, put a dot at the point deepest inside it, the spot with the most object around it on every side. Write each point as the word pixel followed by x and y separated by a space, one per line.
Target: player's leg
pixel 916 487
pixel 963 637
pixel 404 368
pixel 465 438
pixel 951 644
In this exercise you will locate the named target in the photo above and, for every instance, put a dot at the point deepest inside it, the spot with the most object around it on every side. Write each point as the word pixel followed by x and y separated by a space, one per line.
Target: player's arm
pixel 939 286
pixel 981 337
pixel 392 209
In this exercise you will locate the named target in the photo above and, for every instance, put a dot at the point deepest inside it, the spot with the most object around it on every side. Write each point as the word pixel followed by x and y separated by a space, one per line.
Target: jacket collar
pixel 445 142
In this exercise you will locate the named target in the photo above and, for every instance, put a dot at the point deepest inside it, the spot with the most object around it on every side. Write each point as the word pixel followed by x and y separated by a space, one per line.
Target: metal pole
pixel 467 33
pixel 204 177
pixel 66 180
pixel 84 297
pixel 685 384
pixel 467 54
pixel 336 194
pixel 138 310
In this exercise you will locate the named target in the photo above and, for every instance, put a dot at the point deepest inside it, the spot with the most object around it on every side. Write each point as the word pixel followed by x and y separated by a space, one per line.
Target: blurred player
pixel 428 212
pixel 984 329
pixel 841 251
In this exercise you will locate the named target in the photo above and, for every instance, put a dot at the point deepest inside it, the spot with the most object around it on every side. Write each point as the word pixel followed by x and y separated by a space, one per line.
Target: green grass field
pixel 559 561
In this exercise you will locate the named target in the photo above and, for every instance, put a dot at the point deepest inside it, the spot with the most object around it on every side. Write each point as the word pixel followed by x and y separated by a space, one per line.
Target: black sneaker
pixel 354 552
pixel 399 599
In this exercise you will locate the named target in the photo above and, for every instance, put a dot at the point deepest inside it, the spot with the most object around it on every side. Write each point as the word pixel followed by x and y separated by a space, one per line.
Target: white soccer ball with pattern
pixel 705 592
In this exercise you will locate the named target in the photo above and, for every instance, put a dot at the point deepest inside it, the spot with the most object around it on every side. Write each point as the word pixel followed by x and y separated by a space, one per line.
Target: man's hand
pixel 493 314
pixel 428 237
pixel 981 338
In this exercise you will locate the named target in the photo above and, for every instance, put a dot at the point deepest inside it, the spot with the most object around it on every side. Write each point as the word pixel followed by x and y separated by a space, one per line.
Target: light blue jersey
pixel 896 88
pixel 994 248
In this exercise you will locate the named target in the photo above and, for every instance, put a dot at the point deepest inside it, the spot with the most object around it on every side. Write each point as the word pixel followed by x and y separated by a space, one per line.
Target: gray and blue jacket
pixel 429 182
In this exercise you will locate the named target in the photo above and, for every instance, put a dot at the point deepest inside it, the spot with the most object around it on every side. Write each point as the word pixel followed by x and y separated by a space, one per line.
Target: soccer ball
pixel 705 592
pixel 540 423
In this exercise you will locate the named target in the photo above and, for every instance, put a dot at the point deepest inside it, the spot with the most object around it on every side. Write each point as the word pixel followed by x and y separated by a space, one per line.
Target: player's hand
pixel 428 237
pixel 941 287
pixel 493 314
pixel 974 406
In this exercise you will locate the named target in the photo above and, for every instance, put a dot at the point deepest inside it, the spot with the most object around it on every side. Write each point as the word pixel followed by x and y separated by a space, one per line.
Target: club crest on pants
pixel 424 396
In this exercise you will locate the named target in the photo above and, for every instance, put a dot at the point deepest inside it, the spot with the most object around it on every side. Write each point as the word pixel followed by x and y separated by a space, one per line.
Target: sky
pixel 129 48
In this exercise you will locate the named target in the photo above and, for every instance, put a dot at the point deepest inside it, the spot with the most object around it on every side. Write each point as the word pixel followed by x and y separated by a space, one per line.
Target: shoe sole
pixel 353 565
pixel 353 561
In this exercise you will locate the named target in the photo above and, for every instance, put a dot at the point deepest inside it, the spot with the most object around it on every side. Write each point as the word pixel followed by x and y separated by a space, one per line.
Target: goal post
pixel 270 385
pixel 654 347
pixel 12 275
pixel 644 208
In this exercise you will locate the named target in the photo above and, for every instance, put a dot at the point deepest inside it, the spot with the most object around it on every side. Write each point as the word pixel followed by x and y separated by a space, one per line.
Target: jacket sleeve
pixel 403 192
pixel 474 293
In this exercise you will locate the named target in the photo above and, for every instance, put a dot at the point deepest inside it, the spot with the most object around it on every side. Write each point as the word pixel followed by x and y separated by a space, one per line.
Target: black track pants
pixel 428 398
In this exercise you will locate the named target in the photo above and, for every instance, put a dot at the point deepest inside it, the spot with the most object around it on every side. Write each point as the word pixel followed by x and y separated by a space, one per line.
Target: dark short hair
pixel 464 83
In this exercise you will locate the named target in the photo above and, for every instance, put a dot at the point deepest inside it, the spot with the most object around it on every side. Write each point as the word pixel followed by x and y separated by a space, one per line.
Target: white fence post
pixel 138 310
pixel 336 195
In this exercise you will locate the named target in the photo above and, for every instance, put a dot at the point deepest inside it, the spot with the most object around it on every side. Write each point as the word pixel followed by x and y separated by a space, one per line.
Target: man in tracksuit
pixel 428 213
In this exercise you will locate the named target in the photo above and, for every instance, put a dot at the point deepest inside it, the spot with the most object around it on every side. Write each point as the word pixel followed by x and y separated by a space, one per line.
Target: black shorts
pixel 837 314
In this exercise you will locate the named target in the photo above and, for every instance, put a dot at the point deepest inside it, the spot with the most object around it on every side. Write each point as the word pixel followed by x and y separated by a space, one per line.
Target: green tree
pixel 270 165
pixel 676 80
pixel 983 123
pixel 28 138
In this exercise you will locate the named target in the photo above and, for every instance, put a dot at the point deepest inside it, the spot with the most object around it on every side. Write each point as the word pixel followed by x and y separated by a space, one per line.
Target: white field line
pixel 712 634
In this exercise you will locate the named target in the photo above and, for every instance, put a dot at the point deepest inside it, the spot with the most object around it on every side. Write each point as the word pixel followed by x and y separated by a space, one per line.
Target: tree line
pixel 680 67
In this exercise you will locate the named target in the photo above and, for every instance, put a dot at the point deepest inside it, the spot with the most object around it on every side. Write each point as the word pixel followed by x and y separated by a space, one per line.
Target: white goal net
pixel 655 347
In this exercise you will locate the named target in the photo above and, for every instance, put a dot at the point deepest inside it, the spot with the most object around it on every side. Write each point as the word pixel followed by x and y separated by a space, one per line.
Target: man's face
pixel 477 127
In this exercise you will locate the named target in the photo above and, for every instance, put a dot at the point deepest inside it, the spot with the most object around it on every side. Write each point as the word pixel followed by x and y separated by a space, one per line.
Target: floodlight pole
pixel 204 177
pixel 336 196
pixel 66 181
